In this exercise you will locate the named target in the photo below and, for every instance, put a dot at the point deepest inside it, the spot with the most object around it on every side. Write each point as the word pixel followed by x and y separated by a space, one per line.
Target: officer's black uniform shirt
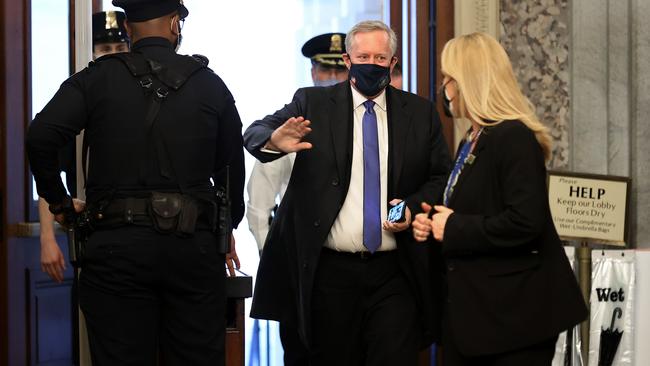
pixel 198 123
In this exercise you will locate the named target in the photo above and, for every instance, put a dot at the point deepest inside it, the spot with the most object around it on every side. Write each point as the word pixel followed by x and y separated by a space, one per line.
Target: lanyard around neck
pixel 464 156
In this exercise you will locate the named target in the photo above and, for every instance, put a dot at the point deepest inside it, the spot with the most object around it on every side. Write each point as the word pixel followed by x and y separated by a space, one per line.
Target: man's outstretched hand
pixel 288 137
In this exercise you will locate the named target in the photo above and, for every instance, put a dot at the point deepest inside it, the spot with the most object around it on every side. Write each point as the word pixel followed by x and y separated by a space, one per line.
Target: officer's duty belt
pixel 137 211
pixel 126 211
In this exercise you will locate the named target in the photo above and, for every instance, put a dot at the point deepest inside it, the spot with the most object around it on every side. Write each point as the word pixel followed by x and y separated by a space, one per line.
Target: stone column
pixel 640 124
pixel 610 98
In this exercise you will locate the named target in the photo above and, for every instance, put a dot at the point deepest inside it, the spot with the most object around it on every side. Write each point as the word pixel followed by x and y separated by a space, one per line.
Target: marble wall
pixel 536 37
pixel 585 65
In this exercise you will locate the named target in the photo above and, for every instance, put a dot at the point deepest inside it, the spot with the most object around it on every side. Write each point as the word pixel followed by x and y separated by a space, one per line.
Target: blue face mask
pixel 328 82
pixel 370 79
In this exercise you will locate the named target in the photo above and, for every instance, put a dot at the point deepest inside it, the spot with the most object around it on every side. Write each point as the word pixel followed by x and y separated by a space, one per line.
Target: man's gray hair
pixel 370 26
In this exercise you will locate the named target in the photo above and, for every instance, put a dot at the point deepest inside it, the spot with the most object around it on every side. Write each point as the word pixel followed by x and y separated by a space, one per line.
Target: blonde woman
pixel 510 288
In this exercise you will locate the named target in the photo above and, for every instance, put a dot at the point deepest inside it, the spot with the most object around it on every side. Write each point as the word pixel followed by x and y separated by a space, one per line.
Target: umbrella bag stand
pixel 567 348
pixel 611 328
pixel 584 280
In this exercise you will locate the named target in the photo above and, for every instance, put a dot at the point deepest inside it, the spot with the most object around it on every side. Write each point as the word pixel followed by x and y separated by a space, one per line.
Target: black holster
pixel 174 213
pixel 79 228
pixel 222 222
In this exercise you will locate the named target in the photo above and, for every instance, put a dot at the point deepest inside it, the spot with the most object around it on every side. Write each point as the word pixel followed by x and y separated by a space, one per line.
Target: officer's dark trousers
pixel 141 291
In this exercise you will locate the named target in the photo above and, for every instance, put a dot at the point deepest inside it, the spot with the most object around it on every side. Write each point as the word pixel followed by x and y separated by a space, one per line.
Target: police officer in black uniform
pixel 159 129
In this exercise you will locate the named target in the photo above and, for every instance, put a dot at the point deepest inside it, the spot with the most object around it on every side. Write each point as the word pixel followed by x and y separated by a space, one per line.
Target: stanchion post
pixel 584 278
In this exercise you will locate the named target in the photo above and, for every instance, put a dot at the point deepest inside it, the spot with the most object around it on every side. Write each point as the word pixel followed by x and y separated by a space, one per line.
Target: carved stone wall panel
pixel 585 66
pixel 536 36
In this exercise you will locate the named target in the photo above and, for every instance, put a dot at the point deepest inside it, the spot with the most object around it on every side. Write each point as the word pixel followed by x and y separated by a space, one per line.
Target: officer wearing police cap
pixel 159 128
pixel 109 34
pixel 325 52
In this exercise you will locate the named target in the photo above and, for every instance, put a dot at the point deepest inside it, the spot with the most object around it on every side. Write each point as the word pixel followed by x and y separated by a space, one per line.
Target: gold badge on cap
pixel 111 20
pixel 335 43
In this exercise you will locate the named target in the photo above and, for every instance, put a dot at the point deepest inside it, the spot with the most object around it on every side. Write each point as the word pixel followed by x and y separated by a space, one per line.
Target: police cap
pixel 108 27
pixel 143 10
pixel 326 49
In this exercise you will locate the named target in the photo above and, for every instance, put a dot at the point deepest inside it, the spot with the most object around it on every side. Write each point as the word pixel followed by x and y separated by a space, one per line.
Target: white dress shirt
pixel 346 234
pixel 267 183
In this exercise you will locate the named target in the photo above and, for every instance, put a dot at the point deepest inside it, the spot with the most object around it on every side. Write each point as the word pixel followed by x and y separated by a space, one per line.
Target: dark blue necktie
pixel 371 180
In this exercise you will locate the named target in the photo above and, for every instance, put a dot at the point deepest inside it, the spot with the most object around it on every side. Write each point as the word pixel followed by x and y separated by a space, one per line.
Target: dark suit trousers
pixel 141 291
pixel 364 312
pixel 295 352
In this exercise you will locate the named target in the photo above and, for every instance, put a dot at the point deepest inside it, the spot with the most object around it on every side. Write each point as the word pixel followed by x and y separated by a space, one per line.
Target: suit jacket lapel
pixel 341 124
pixel 399 122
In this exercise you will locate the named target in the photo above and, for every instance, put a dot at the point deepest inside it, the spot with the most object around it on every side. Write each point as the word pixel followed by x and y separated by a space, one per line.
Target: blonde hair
pixel 487 88
pixel 370 26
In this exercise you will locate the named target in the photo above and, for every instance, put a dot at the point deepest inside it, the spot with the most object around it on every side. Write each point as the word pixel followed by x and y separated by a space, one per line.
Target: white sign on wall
pixel 589 207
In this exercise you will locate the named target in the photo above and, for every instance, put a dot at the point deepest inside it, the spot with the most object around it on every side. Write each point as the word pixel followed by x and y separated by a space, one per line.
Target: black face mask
pixel 179 40
pixel 446 104
pixel 370 79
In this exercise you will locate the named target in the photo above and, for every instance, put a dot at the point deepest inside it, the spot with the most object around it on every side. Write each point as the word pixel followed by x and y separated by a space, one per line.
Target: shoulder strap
pixel 135 62
pixel 140 69
pixel 157 80
pixel 174 75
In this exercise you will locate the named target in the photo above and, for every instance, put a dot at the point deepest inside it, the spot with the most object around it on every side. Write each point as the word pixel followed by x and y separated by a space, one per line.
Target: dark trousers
pixel 141 292
pixel 364 312
pixel 540 354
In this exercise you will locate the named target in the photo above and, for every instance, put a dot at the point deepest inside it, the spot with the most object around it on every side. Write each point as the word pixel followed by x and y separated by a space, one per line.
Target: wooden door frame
pixel 14 63
pixel 434 27
pixel 15 114
pixel 97 6
pixel 444 14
